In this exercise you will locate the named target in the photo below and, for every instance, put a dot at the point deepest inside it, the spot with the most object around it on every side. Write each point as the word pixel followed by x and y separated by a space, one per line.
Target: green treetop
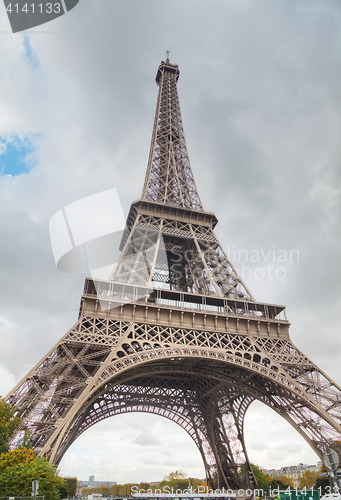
pixel 8 424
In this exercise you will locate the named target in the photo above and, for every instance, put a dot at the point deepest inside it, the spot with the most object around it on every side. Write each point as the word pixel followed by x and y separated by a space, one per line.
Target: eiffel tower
pixel 175 332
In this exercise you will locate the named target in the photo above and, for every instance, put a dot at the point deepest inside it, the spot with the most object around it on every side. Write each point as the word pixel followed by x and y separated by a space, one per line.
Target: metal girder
pixel 169 177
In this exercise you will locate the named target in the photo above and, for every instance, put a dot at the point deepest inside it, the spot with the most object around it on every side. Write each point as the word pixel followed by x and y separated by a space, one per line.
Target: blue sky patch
pixel 31 56
pixel 16 156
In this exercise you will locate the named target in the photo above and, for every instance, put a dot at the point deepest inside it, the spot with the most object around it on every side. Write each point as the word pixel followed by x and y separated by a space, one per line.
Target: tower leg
pixel 224 412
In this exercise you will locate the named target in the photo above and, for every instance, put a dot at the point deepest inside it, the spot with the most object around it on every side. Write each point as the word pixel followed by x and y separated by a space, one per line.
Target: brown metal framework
pixel 175 332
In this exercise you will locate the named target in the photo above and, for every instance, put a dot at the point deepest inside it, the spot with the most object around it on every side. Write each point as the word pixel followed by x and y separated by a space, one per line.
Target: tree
pixel 264 481
pixel 8 424
pixel 195 482
pixel 178 474
pixel 309 479
pixel 287 481
pixel 181 484
pixel 26 440
pixel 176 480
pixel 115 490
pixel 126 489
pixel 261 483
pixel 276 484
pixel 18 468
pixel 261 478
pixel 62 492
pixel 144 486
pixel 70 484
pixel 323 483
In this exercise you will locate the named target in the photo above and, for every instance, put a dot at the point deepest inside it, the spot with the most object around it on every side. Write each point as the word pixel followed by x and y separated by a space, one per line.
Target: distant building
pixel 106 483
pixel 293 472
pixel 93 484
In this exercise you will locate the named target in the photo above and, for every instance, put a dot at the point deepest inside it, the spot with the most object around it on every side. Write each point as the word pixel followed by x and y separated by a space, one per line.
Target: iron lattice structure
pixel 175 332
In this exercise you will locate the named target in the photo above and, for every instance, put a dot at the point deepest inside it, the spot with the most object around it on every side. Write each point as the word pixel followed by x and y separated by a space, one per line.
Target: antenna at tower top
pixel 167 53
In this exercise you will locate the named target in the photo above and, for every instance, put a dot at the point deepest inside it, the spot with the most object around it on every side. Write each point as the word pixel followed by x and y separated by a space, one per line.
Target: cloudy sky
pixel 261 104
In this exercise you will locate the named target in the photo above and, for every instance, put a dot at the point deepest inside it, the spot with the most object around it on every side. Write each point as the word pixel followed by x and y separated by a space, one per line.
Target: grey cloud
pixel 147 438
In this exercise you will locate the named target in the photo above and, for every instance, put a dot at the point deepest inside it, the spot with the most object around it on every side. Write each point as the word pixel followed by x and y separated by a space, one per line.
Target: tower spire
pixel 169 178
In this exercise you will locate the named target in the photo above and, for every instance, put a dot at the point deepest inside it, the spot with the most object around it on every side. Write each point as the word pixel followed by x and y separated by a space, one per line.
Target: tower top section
pixel 169 178
pixel 167 67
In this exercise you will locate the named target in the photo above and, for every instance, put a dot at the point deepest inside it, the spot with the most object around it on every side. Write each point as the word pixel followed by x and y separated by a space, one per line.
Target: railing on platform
pixel 122 293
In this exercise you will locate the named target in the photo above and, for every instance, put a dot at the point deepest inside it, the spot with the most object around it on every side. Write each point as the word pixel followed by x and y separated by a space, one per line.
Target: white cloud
pixel 133 447
pixel 146 438
pixel 7 381
pixel 272 442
